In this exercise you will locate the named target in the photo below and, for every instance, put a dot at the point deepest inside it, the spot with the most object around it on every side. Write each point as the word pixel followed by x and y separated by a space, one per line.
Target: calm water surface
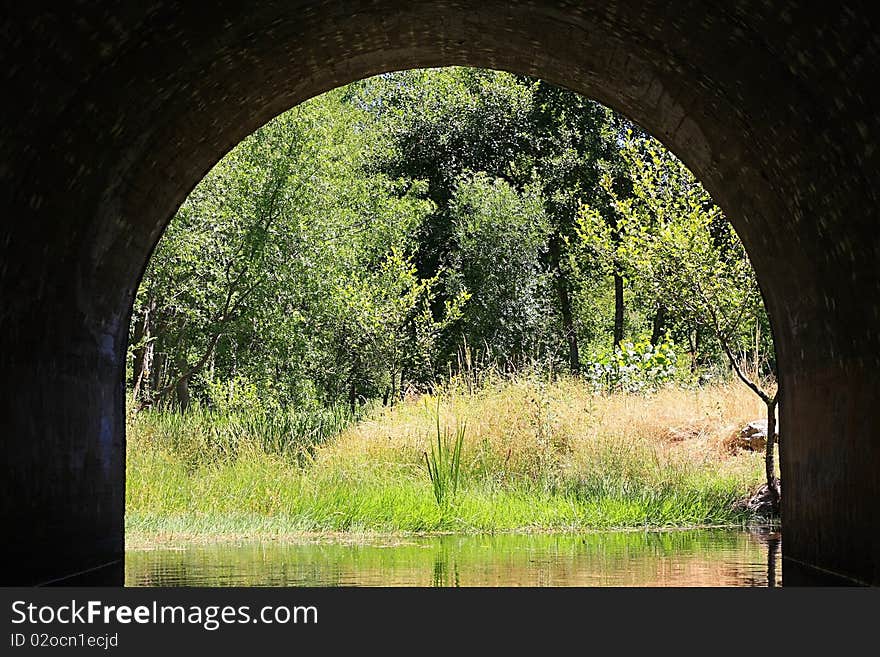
pixel 672 558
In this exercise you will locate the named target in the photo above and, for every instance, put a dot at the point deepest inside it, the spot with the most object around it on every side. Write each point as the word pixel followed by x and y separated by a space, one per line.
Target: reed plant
pixel 444 462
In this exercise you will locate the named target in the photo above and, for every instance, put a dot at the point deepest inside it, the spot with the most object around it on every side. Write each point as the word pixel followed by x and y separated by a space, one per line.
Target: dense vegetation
pixel 537 456
pixel 367 241
pixel 426 229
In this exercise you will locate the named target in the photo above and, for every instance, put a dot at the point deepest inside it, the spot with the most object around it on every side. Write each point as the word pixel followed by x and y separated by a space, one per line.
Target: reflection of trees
pixel 773 549
pixel 156 569
pixel 669 558
pixel 771 538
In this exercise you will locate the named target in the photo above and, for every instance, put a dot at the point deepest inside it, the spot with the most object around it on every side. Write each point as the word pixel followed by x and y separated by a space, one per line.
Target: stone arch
pixel 122 110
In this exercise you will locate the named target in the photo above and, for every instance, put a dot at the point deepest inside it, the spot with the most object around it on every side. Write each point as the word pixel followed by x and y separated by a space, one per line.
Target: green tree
pixel 500 238
pixel 571 140
pixel 442 124
pixel 287 266
pixel 215 260
pixel 675 240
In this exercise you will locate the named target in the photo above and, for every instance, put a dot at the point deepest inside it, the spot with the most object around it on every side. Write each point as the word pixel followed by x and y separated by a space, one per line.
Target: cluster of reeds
pixel 444 462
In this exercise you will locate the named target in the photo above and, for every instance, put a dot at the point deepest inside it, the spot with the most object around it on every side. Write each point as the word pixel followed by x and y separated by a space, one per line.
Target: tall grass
pixel 444 462
pixel 539 456
pixel 202 436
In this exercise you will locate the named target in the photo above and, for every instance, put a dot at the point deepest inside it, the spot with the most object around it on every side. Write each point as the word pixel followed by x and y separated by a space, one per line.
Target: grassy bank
pixel 534 457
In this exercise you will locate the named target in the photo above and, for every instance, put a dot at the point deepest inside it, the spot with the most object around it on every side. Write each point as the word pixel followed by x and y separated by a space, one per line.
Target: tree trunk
pixel 770 456
pixel 772 550
pixel 565 305
pixel 143 367
pixel 143 355
pixel 616 239
pixel 352 397
pixel 659 324
pixel 138 367
pixel 618 308
pixel 181 390
pixel 693 343
pixel 156 371
pixel 574 358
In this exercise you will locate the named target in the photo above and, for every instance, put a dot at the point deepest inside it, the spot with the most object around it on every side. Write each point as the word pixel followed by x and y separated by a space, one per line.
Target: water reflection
pixel 671 558
pixel 771 538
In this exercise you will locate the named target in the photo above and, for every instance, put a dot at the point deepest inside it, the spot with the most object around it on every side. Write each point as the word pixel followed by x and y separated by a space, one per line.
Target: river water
pixel 657 558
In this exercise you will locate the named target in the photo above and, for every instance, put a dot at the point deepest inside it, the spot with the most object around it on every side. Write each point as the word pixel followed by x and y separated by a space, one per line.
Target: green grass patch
pixel 202 474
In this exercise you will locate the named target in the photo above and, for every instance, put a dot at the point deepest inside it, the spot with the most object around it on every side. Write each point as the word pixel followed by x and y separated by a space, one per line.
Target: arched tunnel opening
pixel 439 251
pixel 123 113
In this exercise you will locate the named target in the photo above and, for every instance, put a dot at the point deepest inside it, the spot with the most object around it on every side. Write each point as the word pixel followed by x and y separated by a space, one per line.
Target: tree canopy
pixel 356 246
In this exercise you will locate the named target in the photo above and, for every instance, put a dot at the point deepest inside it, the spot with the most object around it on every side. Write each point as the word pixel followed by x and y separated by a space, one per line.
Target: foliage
pixel 679 252
pixel 500 237
pixel 634 367
pixel 285 268
pixel 377 240
pixel 204 437
pixel 672 237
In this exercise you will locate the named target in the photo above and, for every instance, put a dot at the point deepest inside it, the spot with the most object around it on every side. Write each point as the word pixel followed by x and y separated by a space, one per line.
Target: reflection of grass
pixel 540 457
pixel 685 557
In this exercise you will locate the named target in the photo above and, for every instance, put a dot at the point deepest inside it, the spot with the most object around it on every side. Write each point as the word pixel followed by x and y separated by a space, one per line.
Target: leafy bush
pixel 633 367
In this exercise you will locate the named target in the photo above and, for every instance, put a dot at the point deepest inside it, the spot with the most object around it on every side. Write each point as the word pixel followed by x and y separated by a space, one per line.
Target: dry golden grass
pixel 525 422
